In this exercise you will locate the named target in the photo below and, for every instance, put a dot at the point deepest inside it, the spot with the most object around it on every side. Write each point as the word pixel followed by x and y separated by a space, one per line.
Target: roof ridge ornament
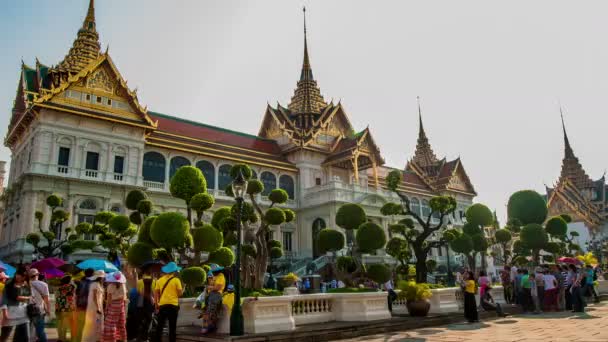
pixel 571 167
pixel 424 155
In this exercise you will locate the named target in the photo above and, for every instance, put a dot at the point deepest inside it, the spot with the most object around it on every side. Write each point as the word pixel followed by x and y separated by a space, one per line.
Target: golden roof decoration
pixel 307 98
pixel 571 167
pixel 86 47
pixel 424 156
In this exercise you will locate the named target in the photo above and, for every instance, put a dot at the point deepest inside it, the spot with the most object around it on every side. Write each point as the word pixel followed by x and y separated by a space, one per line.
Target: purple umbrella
pixel 53 273
pixel 47 263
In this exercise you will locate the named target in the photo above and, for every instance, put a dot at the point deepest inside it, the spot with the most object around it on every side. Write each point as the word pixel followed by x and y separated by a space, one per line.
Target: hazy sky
pixel 489 73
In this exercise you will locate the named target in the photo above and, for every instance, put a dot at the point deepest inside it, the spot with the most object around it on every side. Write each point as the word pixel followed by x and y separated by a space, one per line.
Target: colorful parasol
pixel 569 260
pixel 47 263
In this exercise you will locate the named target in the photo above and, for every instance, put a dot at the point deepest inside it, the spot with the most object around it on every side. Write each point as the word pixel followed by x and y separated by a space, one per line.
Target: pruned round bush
pixel 557 226
pixel 207 238
pixel 462 244
pixel 54 201
pixel 104 216
pixel 479 215
pixel 223 257
pixel 528 206
pixel 139 253
pixel 275 243
pixel 346 264
pixel 393 179
pixel 119 223
pixel 219 215
pixel 247 212
pixel 187 182
pixel 254 186
pixel 243 168
pixel 133 198
pixel 379 273
pixel 534 236
pixel 201 202
pixel 566 218
pixel 396 246
pixel 450 234
pixel 553 247
pixel 228 224
pixel 330 240
pixel 32 239
pixel 83 228
pixel 135 218
pixel 503 236
pixel 480 244
pixel 145 207
pixel 408 222
pixel 350 216
pixel 193 276
pixel 276 252
pixel 144 231
pixel 249 249
pixel 471 229
pixel 38 215
pixel 60 216
pixel 290 215
pixel 370 237
pixel 519 247
pixel 391 208
pixel 274 216
pixel 170 230
pixel 230 239
pixel 278 196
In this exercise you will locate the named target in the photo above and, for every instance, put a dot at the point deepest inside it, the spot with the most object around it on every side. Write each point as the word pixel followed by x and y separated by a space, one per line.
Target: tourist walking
pixel 17 295
pixel 591 277
pixel 40 297
pixel 551 291
pixel 166 297
pixel 470 305
pixel 114 326
pixel 93 325
pixel 526 292
pixel 65 309
pixel 82 299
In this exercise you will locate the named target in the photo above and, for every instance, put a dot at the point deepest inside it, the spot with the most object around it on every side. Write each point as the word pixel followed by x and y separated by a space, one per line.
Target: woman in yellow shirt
pixel 470 305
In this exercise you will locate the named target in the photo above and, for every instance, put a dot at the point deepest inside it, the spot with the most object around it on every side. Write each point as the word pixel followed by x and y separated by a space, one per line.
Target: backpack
pixel 82 298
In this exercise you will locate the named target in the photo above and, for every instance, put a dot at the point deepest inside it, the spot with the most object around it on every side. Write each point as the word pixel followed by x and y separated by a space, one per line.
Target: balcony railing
pixel 154 185
pixel 63 169
pixel 118 177
pixel 91 173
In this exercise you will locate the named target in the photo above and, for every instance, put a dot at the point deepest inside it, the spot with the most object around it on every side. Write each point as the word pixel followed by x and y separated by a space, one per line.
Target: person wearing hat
pixel 166 298
pixel 114 328
pixel 40 297
pixel 93 325
pixel 213 302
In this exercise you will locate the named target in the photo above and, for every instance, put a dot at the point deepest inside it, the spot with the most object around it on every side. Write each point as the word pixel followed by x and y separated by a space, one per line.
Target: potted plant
pixel 416 297
pixel 289 283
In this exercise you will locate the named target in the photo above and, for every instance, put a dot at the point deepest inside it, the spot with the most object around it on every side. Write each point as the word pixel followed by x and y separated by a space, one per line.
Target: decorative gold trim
pixel 94 116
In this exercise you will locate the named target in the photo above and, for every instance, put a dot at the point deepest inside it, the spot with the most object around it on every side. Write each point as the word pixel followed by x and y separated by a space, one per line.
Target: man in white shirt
pixel 40 297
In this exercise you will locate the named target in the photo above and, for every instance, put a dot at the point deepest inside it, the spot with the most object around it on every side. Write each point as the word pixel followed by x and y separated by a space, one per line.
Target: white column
pixel 217 177
pixel 167 168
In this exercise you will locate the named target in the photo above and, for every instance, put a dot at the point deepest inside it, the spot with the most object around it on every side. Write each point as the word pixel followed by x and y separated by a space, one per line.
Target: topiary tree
pixel 370 237
pixel 557 227
pixel 53 242
pixel 535 238
pixel 256 260
pixel 186 183
pixel 418 240
pixel 503 237
pixel 380 273
pixel 478 217
pixel 114 233
pixel 331 240
pixel 527 206
pixel 431 265
pixel 193 277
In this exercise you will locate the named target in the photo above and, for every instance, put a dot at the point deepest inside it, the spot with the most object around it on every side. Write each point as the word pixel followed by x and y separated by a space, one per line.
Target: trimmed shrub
pixel 330 240
pixel 244 168
pixel 83 228
pixel 207 238
pixel 119 223
pixel 553 247
pixel 133 198
pixel 557 226
pixel 350 216
pixel 230 239
pixel 370 237
pixel 249 249
pixel 431 265
pixel 135 218
pixel 346 264
pixel 391 208
pixel 396 246
pixel 201 202
pixel 462 244
pixel 219 215
pixel 393 179
pixel 379 273
pixel 170 230
pixel 254 186
pixel 145 207
pixel 290 215
pixel 566 218
pixel 193 276
pixel 278 196
pixel 32 239
pixel 503 236
pixel 104 216
pixel 471 229
pixel 480 244
pixel 228 224
pixel 274 216
pixel 54 201
pixel 187 182
pixel 527 206
pixel 223 257
pixel 534 236
pixel 276 252
pixel 275 243
pixel 479 215
pixel 144 230
pixel 139 253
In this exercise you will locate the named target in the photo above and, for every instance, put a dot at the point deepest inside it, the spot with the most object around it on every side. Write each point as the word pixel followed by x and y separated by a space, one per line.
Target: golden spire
pixel 86 47
pixel 424 155
pixel 307 98
pixel 571 167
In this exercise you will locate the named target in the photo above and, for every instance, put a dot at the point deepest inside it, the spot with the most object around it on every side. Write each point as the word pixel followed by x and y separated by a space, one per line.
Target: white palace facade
pixel 77 130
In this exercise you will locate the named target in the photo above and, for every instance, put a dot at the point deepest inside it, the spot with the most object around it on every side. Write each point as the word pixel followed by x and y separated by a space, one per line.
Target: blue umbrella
pixel 98 264
pixel 8 269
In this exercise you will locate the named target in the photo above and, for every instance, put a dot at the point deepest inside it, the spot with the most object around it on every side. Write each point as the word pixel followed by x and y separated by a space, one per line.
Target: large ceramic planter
pixel 418 308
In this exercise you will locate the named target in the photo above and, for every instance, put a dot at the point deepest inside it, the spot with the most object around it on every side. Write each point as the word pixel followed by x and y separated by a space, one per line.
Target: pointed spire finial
pixel 89 21
pixel 306 70
pixel 567 148
pixel 421 133
pixel 424 155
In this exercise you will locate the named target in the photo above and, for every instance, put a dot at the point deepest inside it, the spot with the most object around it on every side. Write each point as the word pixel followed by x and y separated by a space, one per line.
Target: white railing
pixel 314 308
pixel 154 185
pixel 118 177
pixel 91 173
pixel 63 169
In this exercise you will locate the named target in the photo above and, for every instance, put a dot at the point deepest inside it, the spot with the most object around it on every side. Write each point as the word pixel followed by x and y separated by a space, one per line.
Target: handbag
pixel 32 309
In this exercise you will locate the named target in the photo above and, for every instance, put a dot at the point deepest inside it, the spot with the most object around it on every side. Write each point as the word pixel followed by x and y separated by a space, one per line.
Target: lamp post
pixel 239 187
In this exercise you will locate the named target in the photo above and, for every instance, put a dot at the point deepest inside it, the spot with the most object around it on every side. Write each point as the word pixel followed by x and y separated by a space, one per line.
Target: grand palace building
pixel 77 130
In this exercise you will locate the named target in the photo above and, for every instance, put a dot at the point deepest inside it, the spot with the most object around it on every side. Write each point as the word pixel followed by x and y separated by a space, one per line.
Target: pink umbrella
pixel 569 260
pixel 53 273
pixel 47 263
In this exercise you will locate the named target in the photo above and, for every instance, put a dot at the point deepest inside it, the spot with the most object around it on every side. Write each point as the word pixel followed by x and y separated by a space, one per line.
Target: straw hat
pixel 97 274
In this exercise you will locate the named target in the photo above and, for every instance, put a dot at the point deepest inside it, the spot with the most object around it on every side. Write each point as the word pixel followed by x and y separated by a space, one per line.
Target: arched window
pixel 415 205
pixel 270 182
pixel 224 176
pixel 317 225
pixel 208 171
pixel 88 204
pixel 286 183
pixel 154 167
pixel 176 163
pixel 426 209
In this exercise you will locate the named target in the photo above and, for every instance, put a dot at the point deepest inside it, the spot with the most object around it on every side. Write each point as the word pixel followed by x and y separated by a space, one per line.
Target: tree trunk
pixel 421 270
pixel 484 264
pixel 471 261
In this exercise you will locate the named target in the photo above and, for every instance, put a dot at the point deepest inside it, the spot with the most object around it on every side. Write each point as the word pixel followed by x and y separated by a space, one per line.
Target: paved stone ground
pixel 549 327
